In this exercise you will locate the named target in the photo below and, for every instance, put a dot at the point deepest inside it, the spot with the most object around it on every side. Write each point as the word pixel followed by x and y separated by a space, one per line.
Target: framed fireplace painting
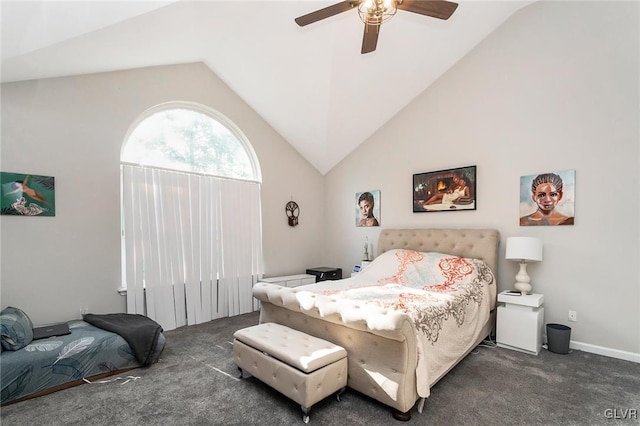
pixel 27 195
pixel 445 190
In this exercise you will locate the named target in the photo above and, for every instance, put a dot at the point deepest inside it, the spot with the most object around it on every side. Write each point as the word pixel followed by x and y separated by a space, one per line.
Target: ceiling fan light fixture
pixel 375 12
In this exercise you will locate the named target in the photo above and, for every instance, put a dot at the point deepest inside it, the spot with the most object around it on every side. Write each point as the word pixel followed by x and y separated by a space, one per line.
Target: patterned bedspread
pixel 446 299
pixel 47 363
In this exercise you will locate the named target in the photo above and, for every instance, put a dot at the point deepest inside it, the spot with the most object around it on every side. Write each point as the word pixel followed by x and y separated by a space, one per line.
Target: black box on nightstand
pixel 324 273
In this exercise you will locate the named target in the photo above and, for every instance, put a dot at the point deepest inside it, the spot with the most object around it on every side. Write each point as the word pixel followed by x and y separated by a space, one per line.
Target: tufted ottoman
pixel 301 367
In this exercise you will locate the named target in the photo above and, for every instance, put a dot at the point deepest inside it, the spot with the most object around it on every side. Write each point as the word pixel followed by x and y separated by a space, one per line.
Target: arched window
pixel 192 235
pixel 191 138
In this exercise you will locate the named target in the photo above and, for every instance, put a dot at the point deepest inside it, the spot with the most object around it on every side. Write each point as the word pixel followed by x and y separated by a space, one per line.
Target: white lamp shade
pixel 527 249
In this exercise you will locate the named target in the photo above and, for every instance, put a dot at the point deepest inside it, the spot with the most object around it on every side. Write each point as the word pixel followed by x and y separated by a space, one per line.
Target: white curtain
pixel 192 244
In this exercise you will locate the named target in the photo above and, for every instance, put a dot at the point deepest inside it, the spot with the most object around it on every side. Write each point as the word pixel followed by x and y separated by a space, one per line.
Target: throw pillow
pixel 16 329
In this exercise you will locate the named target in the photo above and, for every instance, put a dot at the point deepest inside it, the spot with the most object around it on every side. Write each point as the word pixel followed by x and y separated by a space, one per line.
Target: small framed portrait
pixel 27 195
pixel 548 199
pixel 445 190
pixel 368 208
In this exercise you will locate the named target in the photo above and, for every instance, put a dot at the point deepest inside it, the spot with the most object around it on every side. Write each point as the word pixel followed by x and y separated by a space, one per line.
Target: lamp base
pixel 523 279
pixel 523 288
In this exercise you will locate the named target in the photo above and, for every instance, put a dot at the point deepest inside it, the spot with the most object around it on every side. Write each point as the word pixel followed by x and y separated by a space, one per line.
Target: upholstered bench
pixel 302 367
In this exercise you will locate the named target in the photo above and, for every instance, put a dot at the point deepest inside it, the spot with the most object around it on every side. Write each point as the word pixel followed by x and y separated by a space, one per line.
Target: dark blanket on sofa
pixel 140 332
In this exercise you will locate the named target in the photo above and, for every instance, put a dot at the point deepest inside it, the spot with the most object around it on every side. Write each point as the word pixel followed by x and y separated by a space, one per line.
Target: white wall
pixel 73 129
pixel 555 88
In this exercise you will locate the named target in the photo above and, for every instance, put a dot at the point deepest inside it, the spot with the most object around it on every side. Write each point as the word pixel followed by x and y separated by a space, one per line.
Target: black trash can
pixel 558 337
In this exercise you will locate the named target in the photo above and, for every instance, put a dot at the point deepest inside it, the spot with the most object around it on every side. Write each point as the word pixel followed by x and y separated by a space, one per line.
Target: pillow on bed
pixel 16 328
pixel 424 269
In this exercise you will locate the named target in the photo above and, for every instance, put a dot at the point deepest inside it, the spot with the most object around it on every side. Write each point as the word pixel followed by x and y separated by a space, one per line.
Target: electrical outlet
pixel 573 316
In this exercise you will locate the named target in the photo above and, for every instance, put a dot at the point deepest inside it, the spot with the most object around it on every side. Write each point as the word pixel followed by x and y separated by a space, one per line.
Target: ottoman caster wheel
pixel 305 414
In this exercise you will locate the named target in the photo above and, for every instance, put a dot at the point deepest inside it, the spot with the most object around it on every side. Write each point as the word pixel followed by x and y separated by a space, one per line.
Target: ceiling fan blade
pixel 440 9
pixel 326 12
pixel 370 38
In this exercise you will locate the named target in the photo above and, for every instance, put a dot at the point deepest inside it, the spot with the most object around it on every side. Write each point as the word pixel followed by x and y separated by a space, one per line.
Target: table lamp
pixel 523 250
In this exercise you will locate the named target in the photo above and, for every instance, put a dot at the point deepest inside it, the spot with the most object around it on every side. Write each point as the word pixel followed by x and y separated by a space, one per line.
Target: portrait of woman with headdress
pixel 547 199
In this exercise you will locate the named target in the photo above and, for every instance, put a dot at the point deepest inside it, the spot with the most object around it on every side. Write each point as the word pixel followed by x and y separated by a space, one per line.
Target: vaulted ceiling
pixel 311 84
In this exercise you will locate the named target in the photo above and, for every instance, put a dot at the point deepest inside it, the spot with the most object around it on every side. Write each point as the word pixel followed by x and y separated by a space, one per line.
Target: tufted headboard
pixel 473 243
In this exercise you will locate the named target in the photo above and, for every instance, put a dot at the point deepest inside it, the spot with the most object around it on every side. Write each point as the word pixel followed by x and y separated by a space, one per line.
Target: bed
pixel 34 368
pixel 403 323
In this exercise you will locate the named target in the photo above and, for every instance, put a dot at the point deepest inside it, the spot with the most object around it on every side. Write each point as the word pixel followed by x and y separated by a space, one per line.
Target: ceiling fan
pixel 374 12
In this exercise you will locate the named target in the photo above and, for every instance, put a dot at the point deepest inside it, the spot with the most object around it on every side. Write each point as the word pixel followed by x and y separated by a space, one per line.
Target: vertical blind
pixel 192 245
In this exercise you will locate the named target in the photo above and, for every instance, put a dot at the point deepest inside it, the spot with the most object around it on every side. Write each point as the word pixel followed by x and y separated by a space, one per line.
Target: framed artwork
pixel 445 190
pixel 368 208
pixel 27 195
pixel 548 199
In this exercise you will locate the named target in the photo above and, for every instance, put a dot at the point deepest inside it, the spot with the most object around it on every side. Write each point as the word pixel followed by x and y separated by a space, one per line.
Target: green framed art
pixel 27 195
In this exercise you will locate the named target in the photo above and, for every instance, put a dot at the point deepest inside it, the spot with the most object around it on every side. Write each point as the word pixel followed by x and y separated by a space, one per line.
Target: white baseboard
pixel 601 350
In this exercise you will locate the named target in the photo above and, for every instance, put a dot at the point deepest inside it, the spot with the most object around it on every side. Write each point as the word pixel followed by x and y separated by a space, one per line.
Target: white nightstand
pixel 291 280
pixel 520 322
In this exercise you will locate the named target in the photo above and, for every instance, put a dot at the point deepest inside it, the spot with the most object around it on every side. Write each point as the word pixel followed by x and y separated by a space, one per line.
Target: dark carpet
pixel 195 383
